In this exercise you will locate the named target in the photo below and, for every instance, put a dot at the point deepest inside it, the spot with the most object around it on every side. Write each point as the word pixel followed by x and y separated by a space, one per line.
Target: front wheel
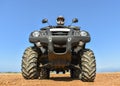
pixel 30 64
pixel 88 66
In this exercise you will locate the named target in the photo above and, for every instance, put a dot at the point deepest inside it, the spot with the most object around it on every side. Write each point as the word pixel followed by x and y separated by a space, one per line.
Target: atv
pixel 61 49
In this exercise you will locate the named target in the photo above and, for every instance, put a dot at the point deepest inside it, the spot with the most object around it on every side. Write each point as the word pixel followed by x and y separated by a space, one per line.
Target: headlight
pixel 83 33
pixel 35 34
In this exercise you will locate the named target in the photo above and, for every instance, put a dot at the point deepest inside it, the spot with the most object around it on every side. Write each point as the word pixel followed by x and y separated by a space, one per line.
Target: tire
pixel 44 73
pixel 75 73
pixel 88 66
pixel 71 74
pixel 30 64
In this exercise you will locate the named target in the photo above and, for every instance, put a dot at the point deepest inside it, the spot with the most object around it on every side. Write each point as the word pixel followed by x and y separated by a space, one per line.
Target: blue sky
pixel 101 18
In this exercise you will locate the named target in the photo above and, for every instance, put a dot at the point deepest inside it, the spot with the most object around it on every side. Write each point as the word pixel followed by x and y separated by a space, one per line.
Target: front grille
pixel 59 33
pixel 59 50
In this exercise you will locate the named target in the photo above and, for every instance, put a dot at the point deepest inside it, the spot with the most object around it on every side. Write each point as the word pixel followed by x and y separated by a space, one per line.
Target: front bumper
pixel 63 57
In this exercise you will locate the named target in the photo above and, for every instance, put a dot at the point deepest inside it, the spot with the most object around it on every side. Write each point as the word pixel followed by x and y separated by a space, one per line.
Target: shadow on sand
pixel 62 79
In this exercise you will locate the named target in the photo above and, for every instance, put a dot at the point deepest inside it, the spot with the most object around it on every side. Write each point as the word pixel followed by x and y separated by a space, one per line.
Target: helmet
pixel 60 20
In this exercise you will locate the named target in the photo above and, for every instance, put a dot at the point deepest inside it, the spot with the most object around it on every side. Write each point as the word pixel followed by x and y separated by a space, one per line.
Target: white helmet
pixel 60 20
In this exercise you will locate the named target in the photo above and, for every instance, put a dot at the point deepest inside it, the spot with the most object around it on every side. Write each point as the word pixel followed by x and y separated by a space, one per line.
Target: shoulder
pixel 74 27
pixel 47 27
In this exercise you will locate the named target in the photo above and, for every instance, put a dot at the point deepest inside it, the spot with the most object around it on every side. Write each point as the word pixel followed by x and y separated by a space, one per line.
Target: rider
pixel 60 21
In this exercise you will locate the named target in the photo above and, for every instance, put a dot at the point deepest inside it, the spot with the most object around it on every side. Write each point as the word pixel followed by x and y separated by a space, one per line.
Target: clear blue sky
pixel 101 18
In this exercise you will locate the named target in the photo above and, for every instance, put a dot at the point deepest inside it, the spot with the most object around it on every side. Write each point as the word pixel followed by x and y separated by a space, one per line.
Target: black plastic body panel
pixel 60 39
pixel 70 40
